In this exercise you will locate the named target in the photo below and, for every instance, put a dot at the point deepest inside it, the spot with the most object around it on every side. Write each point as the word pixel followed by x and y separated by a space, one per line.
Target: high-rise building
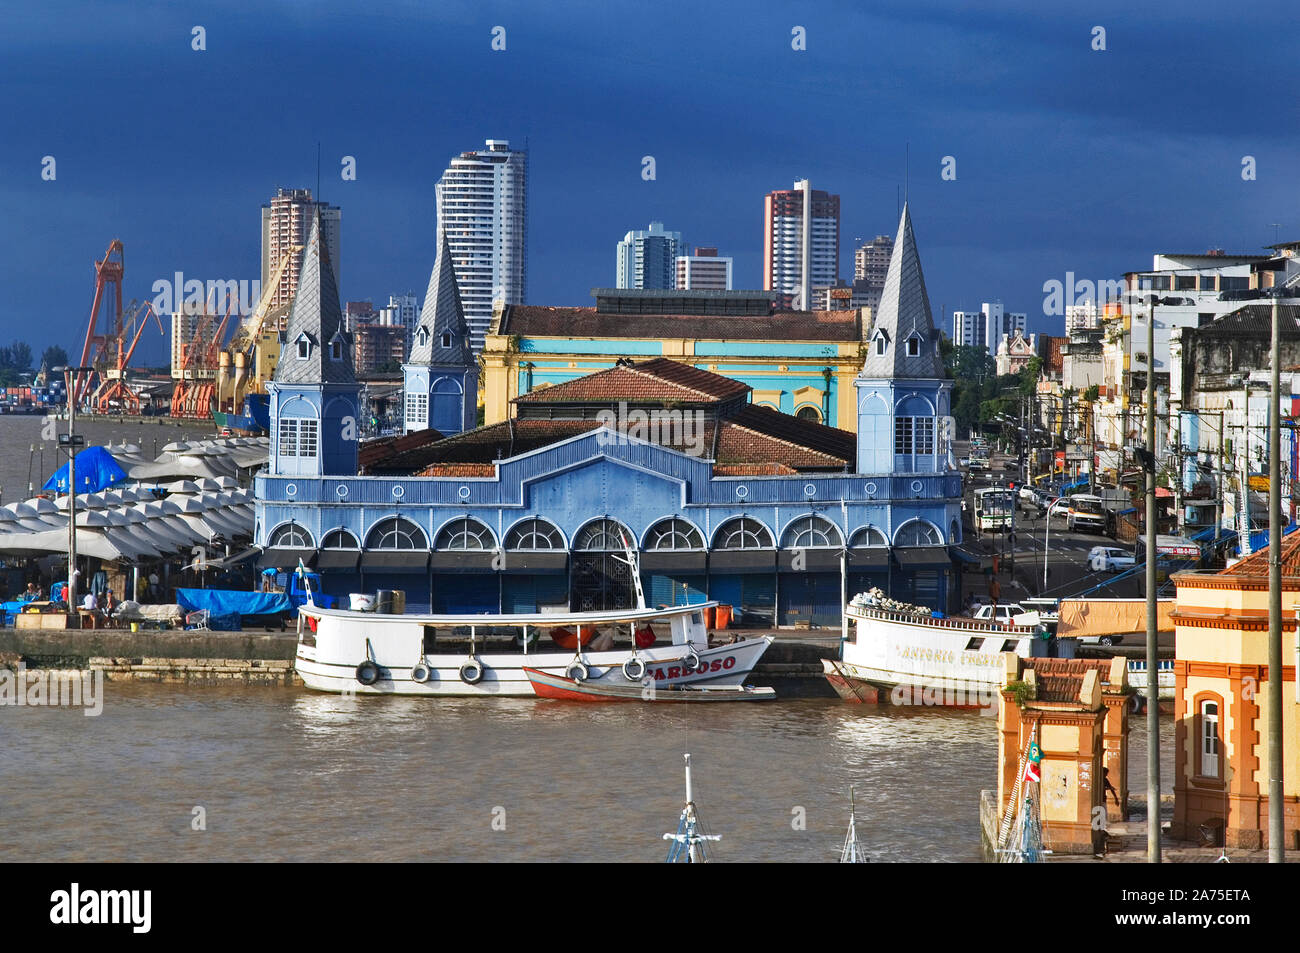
pixel 401 311
pixel 703 271
pixel 870 266
pixel 483 208
pixel 1000 323
pixel 968 329
pixel 801 243
pixel 645 259
pixel 286 222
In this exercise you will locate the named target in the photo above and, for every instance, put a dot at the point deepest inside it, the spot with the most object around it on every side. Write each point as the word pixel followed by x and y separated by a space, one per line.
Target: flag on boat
pixel 1034 756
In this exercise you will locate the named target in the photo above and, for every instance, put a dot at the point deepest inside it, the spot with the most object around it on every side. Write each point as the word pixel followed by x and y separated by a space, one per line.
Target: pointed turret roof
pixel 904 311
pixel 317 316
pixel 442 314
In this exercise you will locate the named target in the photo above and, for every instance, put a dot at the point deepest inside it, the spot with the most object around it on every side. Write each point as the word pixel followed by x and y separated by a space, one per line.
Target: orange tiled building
pixel 1221 699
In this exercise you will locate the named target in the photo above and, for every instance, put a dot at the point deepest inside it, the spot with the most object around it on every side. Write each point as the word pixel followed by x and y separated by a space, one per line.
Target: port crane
pixel 248 362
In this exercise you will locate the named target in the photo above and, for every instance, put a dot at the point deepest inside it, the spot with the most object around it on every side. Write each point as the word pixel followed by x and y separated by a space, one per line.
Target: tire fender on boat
pixel 421 672
pixel 471 673
pixel 692 660
pixel 367 672
pixel 576 671
pixel 634 664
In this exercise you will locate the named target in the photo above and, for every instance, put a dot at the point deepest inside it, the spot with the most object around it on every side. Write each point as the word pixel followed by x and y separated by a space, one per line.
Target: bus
pixel 1086 512
pixel 993 506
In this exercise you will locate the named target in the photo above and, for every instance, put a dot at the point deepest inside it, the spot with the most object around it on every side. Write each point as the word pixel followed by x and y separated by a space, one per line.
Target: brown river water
pixel 291 775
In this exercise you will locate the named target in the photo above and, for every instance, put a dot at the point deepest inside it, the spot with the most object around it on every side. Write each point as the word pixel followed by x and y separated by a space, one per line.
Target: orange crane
pixel 114 394
pixel 194 391
pixel 107 350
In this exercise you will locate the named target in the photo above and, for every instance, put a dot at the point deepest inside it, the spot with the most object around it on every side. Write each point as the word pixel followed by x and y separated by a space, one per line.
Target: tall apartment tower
pixel 968 329
pixel 703 271
pixel 648 258
pixel 645 259
pixel 482 203
pixel 801 243
pixel 1000 323
pixel 287 221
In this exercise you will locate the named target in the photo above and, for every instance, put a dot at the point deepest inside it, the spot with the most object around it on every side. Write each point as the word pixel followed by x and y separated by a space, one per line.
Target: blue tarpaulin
pixel 96 470
pixel 227 601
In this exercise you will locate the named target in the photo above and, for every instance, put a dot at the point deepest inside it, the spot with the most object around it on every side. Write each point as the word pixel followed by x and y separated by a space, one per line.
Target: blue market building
pixel 723 498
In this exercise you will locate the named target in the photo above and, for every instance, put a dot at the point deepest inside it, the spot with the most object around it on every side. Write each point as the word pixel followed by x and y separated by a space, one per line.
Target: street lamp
pixel 72 440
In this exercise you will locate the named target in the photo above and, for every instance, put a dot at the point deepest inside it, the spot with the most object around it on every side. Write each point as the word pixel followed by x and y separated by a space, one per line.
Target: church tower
pixel 440 380
pixel 314 393
pixel 904 395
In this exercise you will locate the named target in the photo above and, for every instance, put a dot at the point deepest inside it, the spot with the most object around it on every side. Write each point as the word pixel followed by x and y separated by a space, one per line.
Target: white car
pixel 1108 559
pixel 1006 612
pixel 1060 507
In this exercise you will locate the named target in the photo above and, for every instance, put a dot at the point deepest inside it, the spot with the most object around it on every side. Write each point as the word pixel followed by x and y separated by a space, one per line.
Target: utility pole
pixel 1218 488
pixel 1276 849
pixel 1153 664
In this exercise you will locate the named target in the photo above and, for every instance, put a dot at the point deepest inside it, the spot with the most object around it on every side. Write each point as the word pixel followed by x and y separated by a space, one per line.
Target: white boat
pixel 922 660
pixel 366 652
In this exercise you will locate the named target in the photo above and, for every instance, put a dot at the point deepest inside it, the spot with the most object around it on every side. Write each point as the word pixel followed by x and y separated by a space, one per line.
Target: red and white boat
pixel 614 687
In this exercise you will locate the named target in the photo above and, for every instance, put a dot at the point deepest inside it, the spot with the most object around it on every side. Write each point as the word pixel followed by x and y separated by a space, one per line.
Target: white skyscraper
pixel 646 258
pixel 968 329
pixel 999 323
pixel 482 206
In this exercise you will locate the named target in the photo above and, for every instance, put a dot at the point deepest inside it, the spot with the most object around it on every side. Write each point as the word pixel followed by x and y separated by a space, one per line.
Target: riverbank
pixel 792 665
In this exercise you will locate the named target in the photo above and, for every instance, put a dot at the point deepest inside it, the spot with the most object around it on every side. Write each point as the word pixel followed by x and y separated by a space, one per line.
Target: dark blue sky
pixel 1067 158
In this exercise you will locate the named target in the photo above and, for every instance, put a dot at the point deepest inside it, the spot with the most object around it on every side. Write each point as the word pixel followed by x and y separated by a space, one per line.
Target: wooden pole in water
pixel 1276 849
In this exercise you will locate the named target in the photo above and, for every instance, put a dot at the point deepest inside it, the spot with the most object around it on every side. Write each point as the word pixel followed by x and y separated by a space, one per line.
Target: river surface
pixel 290 775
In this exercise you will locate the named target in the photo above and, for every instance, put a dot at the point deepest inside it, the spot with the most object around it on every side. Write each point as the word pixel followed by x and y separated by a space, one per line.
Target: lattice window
pixel 465 533
pixel 812 532
pixel 603 536
pixel 744 533
pixel 534 534
pixel 674 534
pixel 291 536
pixel 395 533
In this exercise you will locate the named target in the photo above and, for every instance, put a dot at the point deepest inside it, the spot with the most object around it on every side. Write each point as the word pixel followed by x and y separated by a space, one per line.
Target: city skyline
pixel 1097 183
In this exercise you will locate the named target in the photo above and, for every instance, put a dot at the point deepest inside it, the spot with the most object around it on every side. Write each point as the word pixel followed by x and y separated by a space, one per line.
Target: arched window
pixel 918 533
pixel 465 533
pixel 914 427
pixel 812 532
pixel 602 536
pixel 866 537
pixel 674 534
pixel 1208 738
pixel 809 413
pixel 339 539
pixel 743 533
pixel 534 534
pixel 291 536
pixel 396 533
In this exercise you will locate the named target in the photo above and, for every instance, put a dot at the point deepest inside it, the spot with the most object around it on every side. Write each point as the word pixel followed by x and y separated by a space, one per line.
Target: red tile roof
pixel 1256 564
pixel 657 380
pixel 539 321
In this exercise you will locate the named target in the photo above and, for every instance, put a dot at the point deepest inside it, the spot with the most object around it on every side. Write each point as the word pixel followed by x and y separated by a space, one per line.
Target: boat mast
pixel 688 835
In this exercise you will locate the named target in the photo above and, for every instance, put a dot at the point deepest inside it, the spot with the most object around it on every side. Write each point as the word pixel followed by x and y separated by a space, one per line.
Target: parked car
pixel 1109 559
pixel 1059 507
pixel 1006 612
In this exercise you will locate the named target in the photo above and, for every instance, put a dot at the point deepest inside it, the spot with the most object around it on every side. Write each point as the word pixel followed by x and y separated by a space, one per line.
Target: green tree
pixel 54 356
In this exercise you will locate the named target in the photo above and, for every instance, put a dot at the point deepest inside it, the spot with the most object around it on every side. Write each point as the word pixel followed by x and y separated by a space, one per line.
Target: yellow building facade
pixel 800 363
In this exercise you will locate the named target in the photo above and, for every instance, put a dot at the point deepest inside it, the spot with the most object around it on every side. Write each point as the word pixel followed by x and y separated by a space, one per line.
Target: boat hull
pixel 335 643
pixel 914 660
pixel 611 689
